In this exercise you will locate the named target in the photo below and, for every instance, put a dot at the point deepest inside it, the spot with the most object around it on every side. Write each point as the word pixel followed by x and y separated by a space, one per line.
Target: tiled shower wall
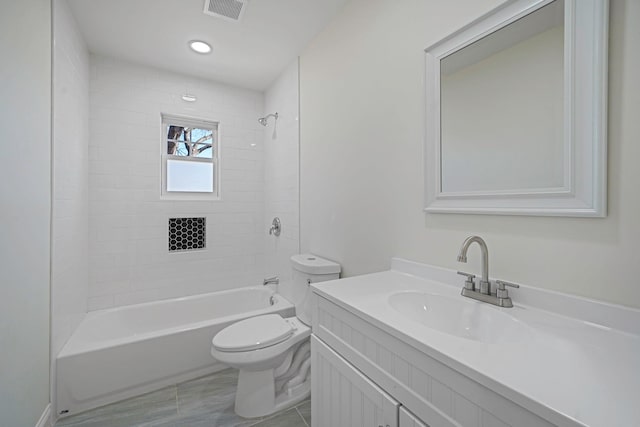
pixel 69 243
pixel 129 260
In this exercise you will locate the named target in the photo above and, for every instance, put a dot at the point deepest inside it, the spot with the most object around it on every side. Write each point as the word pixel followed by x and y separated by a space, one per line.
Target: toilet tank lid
pixel 313 264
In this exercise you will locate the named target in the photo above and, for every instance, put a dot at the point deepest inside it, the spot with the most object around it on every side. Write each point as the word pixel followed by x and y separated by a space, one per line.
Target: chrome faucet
pixel 500 296
pixel 485 286
pixel 271 281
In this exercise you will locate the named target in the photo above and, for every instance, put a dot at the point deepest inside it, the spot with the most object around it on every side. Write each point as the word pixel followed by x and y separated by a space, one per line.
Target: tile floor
pixel 203 402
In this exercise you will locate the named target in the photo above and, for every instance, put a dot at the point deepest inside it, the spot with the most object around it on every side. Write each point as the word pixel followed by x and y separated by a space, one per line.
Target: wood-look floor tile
pixel 136 411
pixel 204 402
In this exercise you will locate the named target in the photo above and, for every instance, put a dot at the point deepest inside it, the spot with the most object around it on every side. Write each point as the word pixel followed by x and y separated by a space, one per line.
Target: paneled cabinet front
pixel 343 397
pixel 407 419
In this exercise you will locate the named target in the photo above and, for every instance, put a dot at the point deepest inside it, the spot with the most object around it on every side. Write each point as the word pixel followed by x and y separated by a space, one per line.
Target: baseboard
pixel 45 418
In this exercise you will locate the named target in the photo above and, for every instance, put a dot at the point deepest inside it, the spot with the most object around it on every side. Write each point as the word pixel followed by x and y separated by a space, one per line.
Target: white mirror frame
pixel 584 193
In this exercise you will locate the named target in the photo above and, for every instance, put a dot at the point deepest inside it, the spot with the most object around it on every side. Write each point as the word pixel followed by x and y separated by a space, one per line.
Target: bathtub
pixel 122 352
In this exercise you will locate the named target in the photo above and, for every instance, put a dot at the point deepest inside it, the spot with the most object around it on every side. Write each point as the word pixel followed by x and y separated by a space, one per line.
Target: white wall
pixel 25 188
pixel 281 176
pixel 70 223
pixel 128 255
pixel 362 115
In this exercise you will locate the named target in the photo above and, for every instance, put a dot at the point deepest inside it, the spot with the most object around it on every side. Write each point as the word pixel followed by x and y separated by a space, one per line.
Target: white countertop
pixel 569 370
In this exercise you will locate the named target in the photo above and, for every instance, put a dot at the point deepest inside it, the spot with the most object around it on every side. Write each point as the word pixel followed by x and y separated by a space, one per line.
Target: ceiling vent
pixel 230 10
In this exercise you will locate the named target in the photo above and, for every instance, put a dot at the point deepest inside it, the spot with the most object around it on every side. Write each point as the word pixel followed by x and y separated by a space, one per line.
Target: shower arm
pixel 263 120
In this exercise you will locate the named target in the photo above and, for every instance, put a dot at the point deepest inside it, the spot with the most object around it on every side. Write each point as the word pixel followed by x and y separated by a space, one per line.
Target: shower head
pixel 263 120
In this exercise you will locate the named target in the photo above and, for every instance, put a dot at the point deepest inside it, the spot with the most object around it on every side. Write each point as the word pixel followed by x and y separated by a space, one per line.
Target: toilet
pixel 272 353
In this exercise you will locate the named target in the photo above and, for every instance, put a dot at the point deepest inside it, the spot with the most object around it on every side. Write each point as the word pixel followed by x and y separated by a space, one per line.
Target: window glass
pixel 196 141
pixel 190 159
pixel 189 176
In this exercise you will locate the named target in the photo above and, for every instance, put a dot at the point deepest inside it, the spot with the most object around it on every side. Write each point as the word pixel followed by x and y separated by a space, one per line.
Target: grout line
pixel 269 417
pixel 293 408
pixel 303 420
pixel 177 404
pixel 258 421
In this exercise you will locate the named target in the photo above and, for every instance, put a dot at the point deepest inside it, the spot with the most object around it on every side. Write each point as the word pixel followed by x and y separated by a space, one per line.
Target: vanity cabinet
pixel 342 396
pixel 367 371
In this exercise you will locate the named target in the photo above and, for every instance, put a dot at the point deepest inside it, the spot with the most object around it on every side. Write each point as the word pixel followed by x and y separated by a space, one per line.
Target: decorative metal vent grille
pixel 187 234
pixel 231 10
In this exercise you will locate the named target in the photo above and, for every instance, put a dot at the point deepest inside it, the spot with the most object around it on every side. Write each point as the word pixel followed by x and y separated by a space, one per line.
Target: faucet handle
pixel 469 283
pixel 501 291
pixel 501 284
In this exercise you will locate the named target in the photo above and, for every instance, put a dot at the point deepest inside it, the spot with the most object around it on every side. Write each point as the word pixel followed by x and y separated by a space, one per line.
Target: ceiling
pixel 249 53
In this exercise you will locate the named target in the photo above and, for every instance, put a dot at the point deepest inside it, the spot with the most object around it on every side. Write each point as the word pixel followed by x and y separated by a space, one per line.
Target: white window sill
pixel 191 197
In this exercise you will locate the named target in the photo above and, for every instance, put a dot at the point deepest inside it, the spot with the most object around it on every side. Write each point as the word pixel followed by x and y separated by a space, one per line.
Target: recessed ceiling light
pixel 189 98
pixel 199 46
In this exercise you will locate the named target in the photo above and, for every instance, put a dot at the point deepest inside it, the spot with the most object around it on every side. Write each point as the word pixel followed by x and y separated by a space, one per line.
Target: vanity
pixel 405 348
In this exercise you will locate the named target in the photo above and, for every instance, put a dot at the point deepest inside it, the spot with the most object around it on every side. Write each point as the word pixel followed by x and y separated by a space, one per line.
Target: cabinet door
pixel 342 397
pixel 407 419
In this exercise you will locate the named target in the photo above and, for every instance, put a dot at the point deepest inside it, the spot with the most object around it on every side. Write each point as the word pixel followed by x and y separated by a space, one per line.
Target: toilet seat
pixel 253 334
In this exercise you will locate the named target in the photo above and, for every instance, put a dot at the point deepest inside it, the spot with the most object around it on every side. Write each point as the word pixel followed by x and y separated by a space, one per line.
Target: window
pixel 190 158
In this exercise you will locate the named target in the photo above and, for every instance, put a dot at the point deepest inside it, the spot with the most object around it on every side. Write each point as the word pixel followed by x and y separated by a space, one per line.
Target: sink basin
pixel 455 316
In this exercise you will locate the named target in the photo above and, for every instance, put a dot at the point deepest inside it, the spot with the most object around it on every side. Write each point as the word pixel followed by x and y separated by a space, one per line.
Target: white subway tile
pixel 128 221
pixel 99 302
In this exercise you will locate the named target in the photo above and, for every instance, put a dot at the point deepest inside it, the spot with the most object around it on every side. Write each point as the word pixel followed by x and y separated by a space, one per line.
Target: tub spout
pixel 271 281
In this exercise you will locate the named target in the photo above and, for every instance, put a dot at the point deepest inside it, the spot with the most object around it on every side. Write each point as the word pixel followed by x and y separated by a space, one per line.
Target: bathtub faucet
pixel 271 281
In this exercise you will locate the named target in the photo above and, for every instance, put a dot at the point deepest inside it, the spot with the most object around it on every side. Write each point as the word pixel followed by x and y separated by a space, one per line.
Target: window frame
pixel 189 121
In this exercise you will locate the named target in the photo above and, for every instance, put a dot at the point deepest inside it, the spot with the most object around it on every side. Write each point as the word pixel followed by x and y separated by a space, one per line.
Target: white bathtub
pixel 122 352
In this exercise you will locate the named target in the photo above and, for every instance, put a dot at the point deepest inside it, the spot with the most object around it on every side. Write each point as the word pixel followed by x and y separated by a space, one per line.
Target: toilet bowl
pixel 262 348
pixel 273 353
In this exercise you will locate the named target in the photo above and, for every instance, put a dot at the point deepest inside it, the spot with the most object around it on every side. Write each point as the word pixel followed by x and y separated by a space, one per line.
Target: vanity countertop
pixel 582 370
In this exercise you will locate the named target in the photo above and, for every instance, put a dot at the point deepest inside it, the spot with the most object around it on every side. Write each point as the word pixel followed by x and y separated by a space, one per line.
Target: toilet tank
pixel 307 269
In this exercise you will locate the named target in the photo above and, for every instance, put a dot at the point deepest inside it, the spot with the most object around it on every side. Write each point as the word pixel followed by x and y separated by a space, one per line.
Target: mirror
pixel 501 146
pixel 516 112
